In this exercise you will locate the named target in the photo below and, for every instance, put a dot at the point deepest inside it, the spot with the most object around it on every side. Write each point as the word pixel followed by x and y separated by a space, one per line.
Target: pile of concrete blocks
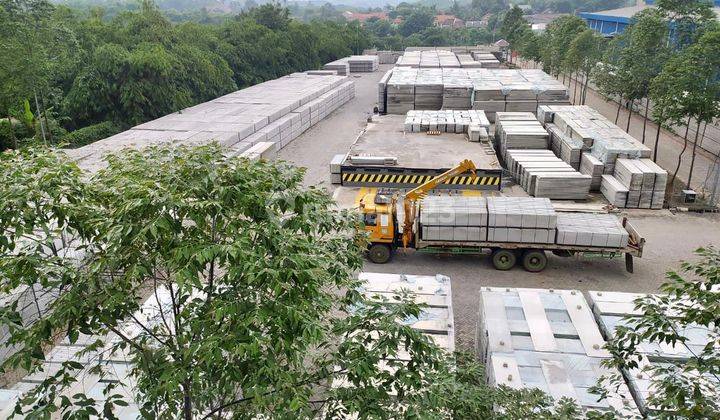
pixel 341 66
pixel 409 59
pixel 388 57
pixel 336 169
pixel 605 140
pixel 275 111
pixel 590 165
pixel 429 59
pixel 644 180
pixel 447 121
pixel 611 309
pixel 542 174
pixel 262 150
pixel 546 339
pixel 590 229
pixel 429 89
pixel 486 60
pixel 519 130
pixel 515 90
pixel 457 89
pixel 354 64
pixel 467 62
pixel 614 191
pixel 401 90
pixel 565 147
pixel 382 92
pixel 363 63
pixel 521 219
pixel 489 90
pixel 454 218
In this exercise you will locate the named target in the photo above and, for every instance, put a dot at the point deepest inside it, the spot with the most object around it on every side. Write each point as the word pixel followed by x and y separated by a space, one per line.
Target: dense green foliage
pixel 85 68
pixel 261 311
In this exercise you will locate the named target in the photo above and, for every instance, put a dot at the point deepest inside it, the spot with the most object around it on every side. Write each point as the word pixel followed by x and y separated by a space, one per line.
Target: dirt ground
pixel 671 238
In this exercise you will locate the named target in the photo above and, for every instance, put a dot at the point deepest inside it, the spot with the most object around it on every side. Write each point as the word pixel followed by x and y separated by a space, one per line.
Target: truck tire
pixel 534 260
pixel 379 253
pixel 503 259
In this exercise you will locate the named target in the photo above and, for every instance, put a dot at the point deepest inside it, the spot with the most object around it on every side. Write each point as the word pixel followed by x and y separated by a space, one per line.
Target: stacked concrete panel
pixel 454 218
pixel 401 90
pixel 490 90
pixel 589 229
pixel 341 66
pixel 564 147
pixel 448 121
pixel 545 339
pixel 614 191
pixel 644 180
pixel 519 130
pixel 515 90
pixel 363 63
pixel 429 89
pixel 382 92
pixel 521 219
pixel 436 321
pixel 590 165
pixel 354 64
pixel 388 57
pixel 457 89
pixel 274 111
pixel 467 62
pixel 611 310
pixel 606 141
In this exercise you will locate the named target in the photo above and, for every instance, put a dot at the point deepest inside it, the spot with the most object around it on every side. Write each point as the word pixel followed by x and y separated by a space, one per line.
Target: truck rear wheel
pixel 379 253
pixel 534 260
pixel 503 259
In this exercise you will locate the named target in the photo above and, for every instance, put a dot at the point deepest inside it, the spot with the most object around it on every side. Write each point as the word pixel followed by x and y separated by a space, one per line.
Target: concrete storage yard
pixel 670 237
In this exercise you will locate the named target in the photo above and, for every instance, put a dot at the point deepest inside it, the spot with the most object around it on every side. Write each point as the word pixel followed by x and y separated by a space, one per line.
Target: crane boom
pixel 417 193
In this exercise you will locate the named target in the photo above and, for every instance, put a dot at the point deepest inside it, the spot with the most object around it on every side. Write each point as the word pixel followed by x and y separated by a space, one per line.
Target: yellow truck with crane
pixel 382 222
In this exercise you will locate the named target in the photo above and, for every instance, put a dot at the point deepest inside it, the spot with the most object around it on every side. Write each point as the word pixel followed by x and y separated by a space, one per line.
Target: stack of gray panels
pixel 545 339
pixel 645 181
pixel 615 192
pixel 607 141
pixel 515 90
pixel 519 130
pixel 610 309
pixel 466 61
pixel 453 219
pixel 448 121
pixel 457 89
pixel 589 229
pixel 429 89
pixel 521 219
pixel 401 90
pixel 362 63
pixel 564 147
pixel 341 66
pixel 382 92
pixel 590 165
pixel 562 185
pixel 388 57
pixel 436 320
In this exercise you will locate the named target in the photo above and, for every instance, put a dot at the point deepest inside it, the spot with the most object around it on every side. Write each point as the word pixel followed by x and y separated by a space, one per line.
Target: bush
pixel 90 134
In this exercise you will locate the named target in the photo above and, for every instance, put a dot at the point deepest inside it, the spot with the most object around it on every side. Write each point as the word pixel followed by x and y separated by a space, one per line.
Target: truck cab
pixel 379 218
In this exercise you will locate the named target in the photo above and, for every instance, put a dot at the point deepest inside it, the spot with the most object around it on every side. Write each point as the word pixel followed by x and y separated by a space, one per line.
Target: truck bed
pixel 634 247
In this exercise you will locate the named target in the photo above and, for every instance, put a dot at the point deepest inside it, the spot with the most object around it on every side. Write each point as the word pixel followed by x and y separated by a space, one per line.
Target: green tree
pixel 258 311
pixel 559 34
pixel 582 56
pixel 689 301
pixel 514 27
pixel 689 86
pixel 417 21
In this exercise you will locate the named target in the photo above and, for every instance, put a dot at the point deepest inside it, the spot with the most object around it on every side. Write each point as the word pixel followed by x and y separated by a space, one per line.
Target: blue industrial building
pixel 612 22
